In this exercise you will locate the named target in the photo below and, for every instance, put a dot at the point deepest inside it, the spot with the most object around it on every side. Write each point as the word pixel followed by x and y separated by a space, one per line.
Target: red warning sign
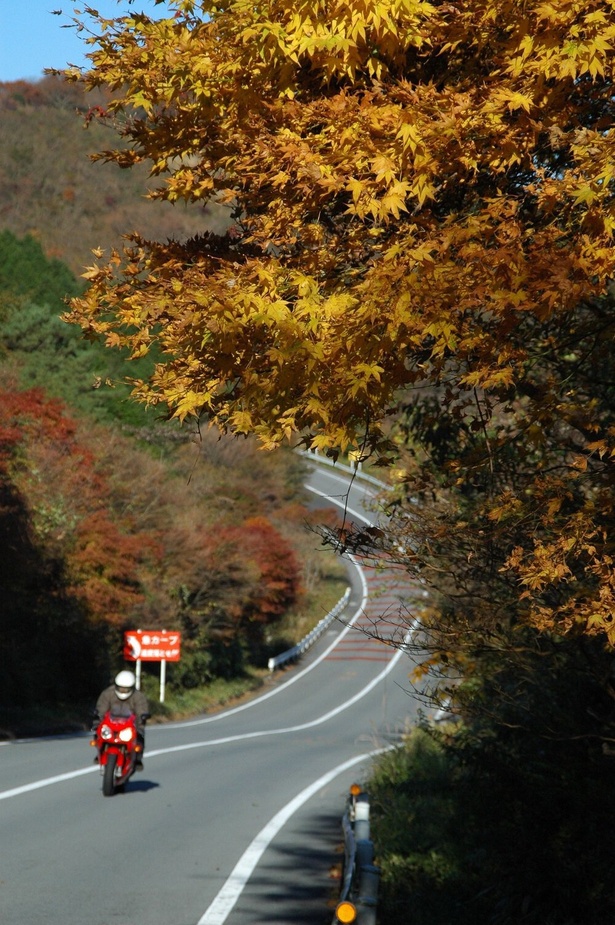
pixel 152 646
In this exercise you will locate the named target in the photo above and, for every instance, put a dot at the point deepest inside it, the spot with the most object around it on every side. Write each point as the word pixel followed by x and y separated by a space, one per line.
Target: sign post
pixel 138 673
pixel 152 646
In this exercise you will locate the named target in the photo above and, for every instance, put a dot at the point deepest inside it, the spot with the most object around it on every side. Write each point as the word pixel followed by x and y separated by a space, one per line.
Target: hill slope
pixel 49 188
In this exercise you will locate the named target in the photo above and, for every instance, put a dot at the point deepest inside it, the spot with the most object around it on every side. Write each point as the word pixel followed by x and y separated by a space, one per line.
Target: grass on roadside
pixel 315 605
pixel 184 704
pixel 416 830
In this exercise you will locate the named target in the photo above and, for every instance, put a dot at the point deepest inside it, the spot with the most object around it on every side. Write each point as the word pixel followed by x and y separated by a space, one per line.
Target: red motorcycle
pixel 118 745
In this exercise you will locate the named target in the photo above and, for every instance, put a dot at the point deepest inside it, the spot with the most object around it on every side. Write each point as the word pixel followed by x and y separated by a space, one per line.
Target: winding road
pixel 236 817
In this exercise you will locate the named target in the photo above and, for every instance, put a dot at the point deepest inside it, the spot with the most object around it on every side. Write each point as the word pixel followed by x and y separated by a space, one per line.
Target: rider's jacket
pixel 136 703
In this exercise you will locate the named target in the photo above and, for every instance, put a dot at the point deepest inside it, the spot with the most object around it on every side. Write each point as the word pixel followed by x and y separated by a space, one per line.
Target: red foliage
pixel 95 112
pixel 253 576
pixel 278 583
pixel 42 454
pixel 229 582
pixel 105 565
pixel 32 412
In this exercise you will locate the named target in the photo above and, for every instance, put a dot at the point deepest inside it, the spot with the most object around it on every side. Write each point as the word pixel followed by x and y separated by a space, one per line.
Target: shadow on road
pixel 140 785
pixel 298 881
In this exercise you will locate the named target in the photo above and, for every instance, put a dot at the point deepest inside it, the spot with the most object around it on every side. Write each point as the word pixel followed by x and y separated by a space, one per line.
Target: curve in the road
pixel 294 677
pixel 59 778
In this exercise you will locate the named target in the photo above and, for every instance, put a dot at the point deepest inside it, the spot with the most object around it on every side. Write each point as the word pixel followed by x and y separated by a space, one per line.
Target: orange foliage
pixel 278 584
pixel 132 547
pixel 67 497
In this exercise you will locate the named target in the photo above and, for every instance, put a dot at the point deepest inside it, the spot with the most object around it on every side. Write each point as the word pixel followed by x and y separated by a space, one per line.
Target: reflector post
pixel 345 912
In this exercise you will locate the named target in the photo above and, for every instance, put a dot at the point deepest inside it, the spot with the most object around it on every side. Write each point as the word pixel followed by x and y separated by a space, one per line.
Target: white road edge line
pixel 46 782
pixel 220 908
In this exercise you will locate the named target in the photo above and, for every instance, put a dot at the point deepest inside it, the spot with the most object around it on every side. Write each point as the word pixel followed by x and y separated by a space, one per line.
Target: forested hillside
pixel 49 187
pixel 112 518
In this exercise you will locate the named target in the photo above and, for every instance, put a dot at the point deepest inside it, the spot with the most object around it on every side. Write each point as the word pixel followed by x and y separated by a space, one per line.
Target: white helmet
pixel 124 684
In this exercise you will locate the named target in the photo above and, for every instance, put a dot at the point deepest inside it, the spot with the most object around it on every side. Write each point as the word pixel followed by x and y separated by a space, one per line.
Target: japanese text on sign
pixel 152 646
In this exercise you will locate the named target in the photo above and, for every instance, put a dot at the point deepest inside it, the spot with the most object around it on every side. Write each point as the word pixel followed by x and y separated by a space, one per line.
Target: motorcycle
pixel 118 747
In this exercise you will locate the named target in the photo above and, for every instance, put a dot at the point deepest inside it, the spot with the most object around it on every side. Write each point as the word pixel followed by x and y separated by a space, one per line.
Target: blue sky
pixel 32 38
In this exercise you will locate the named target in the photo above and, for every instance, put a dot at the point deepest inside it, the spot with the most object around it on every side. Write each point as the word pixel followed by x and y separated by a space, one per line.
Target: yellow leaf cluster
pixel 411 181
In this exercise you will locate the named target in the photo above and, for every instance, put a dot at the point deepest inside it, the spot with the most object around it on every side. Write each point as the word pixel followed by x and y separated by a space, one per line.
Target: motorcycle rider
pixel 121 699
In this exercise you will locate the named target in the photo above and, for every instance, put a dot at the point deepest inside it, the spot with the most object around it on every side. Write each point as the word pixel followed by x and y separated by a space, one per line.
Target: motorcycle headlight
pixel 105 733
pixel 125 735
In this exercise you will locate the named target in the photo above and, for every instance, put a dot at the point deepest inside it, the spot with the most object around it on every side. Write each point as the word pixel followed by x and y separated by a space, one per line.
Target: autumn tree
pixel 53 640
pixel 423 198
pixel 68 501
pixel 410 180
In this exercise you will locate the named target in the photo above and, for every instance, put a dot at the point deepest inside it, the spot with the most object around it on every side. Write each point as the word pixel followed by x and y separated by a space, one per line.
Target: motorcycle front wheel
pixel 109 775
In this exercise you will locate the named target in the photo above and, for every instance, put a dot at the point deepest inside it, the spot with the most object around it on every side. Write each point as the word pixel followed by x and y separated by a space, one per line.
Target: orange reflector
pixel 346 912
pixel 355 790
pixel 93 742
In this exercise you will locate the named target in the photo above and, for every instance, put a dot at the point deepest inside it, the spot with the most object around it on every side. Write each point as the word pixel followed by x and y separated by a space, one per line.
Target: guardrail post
pixel 368 887
pixel 367 900
pixel 365 852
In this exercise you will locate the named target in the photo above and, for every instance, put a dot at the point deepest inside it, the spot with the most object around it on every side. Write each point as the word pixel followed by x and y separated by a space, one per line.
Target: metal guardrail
pixel 297 651
pixel 301 647
pixel 359 891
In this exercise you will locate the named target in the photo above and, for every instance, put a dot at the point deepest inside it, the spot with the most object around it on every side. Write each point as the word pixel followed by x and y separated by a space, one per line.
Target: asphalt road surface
pixel 236 817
